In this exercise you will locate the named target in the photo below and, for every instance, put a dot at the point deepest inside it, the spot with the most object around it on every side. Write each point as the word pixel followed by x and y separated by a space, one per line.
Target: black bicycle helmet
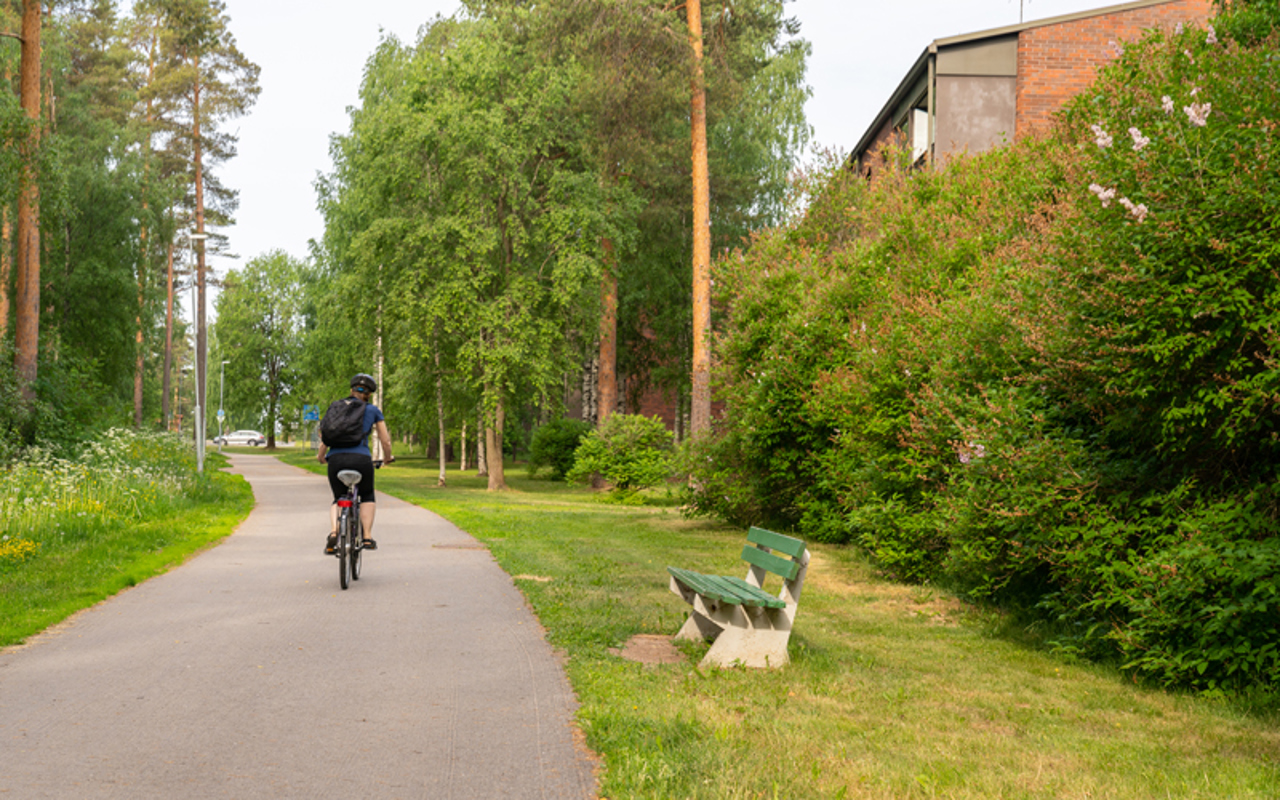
pixel 365 381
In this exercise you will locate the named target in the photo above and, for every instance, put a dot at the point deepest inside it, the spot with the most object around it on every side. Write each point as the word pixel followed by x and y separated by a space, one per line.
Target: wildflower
pixel 1104 194
pixel 1212 37
pixel 1139 141
pixel 1198 113
pixel 1138 211
pixel 1167 103
pixel 1102 137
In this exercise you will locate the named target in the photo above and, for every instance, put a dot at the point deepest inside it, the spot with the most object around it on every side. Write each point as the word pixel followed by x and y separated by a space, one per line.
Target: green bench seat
pixel 747 624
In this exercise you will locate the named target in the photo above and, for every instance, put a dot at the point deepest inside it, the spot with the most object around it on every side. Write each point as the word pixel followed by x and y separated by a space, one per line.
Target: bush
pixel 554 445
pixel 1046 375
pixel 630 451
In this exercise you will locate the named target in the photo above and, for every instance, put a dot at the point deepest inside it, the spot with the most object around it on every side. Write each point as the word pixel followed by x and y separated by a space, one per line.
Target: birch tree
pixel 469 202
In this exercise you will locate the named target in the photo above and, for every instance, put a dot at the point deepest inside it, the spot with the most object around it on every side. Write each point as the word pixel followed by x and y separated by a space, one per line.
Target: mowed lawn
pixel 893 691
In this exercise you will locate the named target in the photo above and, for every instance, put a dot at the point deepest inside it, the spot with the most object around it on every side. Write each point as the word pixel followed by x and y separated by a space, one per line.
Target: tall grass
pixel 76 530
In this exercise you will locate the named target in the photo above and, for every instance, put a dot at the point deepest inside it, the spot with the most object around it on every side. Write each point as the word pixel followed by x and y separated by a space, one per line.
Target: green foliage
pixel 1248 21
pixel 554 445
pixel 630 451
pixel 1044 376
pixel 259 329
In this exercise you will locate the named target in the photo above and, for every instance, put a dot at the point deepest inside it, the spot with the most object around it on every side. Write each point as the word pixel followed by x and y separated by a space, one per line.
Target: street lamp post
pixel 222 382
pixel 197 315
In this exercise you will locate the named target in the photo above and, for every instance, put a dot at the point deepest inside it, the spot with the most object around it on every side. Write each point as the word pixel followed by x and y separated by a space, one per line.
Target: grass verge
pixel 83 567
pixel 893 692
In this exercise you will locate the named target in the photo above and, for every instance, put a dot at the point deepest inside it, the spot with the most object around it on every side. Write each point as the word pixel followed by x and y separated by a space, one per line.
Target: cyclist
pixel 360 459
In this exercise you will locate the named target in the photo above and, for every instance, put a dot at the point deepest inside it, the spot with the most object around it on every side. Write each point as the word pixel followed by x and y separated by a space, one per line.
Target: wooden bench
pixel 748 625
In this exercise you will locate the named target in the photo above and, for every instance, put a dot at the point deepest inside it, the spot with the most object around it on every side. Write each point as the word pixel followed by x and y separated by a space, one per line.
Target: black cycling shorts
pixel 360 463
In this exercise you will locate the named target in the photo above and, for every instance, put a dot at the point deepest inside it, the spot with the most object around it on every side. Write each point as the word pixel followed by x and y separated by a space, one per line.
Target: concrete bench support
pixel 749 628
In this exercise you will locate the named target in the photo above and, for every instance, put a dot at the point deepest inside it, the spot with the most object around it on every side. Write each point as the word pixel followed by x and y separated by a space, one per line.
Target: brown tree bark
pixel 144 260
pixel 26 340
pixel 700 414
pixel 608 335
pixel 493 446
pixel 168 341
pixel 6 252
pixel 202 343
pixel 6 268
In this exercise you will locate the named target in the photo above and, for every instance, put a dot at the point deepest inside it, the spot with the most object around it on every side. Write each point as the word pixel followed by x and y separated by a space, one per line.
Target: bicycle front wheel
pixel 344 550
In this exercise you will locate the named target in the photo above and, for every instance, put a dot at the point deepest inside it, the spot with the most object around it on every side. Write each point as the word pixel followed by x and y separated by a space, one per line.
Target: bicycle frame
pixel 350 529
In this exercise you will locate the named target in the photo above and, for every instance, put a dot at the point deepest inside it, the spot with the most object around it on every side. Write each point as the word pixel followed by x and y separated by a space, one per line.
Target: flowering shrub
pixel 1045 375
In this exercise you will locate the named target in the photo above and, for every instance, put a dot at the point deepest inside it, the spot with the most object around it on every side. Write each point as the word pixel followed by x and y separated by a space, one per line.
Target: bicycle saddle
pixel 349 477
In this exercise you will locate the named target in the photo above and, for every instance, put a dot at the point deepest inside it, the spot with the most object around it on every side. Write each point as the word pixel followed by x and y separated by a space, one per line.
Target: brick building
pixel 980 90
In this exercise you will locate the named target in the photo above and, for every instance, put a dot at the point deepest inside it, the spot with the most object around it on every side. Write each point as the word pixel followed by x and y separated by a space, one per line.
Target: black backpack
pixel 343 423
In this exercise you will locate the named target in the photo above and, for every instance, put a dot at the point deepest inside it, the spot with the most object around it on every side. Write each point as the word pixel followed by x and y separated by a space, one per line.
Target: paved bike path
pixel 247 672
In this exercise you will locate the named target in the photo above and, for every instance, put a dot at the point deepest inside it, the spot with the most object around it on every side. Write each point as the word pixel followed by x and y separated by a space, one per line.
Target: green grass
pixel 893 691
pixel 75 568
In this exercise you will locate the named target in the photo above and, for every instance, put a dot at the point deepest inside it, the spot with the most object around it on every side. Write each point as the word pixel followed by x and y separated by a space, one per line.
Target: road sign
pixel 221 415
pixel 311 413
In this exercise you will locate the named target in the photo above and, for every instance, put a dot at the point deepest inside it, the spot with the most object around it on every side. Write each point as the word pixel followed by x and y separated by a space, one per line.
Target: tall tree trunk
pixel 608 334
pixel 700 421
pixel 168 341
pixel 493 444
pixel 482 455
pixel 6 266
pixel 201 333
pixel 27 290
pixel 440 480
pixel 462 455
pixel 144 261
pixel 139 354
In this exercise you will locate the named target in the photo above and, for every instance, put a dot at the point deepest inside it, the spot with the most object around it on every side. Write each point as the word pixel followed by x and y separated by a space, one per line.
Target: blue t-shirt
pixel 372 416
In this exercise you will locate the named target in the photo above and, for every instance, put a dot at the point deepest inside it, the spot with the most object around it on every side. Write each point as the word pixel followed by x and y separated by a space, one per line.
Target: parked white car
pixel 251 438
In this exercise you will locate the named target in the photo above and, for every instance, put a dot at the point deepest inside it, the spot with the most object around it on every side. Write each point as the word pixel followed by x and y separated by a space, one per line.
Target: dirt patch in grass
pixel 649 649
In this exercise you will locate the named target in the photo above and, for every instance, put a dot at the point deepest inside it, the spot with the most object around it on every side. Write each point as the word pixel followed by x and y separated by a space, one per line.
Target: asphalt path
pixel 247 672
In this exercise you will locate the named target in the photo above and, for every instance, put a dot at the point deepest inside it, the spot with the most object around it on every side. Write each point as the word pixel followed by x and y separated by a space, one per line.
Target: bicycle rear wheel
pixel 344 550
pixel 356 537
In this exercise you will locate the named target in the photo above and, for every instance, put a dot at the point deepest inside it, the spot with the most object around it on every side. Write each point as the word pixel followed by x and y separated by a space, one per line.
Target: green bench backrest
pixel 779 544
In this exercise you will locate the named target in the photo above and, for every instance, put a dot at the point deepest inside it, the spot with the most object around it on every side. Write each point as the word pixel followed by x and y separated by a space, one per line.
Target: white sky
pixel 312 54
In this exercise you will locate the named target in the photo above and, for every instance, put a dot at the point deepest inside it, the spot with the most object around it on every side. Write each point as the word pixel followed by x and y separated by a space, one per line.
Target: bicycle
pixel 350 529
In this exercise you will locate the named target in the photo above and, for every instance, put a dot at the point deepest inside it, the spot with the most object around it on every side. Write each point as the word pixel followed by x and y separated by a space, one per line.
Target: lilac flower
pixel 1117 49
pixel 1139 141
pixel 1187 53
pixel 1138 211
pixel 1166 102
pixel 1102 137
pixel 1104 194
pixel 1213 36
pixel 1178 30
pixel 1198 113
pixel 1195 90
